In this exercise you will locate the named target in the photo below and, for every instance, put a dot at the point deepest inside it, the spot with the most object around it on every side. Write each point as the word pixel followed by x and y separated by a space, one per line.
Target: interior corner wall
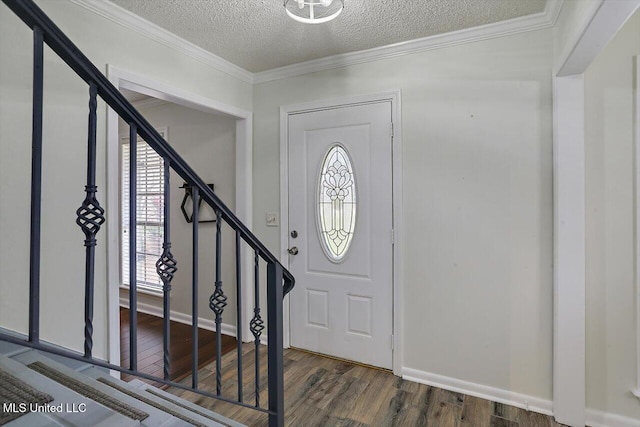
pixel 207 142
pixel 477 173
pixel 571 21
pixel 610 227
pixel 64 164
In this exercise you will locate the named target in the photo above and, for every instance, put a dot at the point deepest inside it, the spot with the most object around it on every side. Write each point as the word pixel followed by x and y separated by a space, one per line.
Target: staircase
pixel 46 372
pixel 89 396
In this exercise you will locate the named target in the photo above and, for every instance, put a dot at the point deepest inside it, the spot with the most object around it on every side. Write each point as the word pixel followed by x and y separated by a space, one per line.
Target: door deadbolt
pixel 294 234
pixel 293 250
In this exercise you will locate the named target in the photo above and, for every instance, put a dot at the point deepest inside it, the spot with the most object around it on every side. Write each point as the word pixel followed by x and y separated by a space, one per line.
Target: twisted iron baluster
pixel 256 326
pixel 166 266
pixel 90 218
pixel 217 303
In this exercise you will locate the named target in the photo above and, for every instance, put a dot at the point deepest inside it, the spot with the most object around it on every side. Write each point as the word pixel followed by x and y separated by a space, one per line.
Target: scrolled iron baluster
pixel 166 266
pixel 90 219
pixel 217 303
pixel 256 326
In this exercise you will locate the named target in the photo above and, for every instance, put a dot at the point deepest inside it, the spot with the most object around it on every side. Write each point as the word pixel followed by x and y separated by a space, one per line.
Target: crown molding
pixel 552 10
pixel 121 16
pixel 538 21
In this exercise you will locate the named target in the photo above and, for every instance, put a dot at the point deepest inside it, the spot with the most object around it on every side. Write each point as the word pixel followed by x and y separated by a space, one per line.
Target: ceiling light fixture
pixel 313 11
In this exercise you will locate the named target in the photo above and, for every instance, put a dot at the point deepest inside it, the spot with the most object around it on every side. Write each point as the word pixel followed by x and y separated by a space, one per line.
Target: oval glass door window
pixel 336 203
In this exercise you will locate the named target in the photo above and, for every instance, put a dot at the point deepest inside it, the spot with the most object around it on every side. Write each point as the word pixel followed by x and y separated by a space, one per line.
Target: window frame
pixel 319 217
pixel 141 287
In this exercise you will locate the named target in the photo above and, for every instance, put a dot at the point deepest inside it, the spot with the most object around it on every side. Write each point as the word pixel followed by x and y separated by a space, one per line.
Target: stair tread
pixel 34 420
pixel 156 416
pixel 101 415
pixel 81 386
pixel 95 413
pixel 76 365
pixel 9 349
pixel 194 416
pixel 174 422
pixel 190 405
pixel 115 420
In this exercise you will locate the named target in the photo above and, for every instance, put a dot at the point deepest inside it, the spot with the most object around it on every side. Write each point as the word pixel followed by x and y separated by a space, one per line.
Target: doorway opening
pixel 204 132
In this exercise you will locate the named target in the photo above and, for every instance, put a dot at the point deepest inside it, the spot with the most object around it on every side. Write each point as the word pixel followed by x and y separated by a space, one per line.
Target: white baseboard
pixel 606 419
pixel 506 397
pixel 176 316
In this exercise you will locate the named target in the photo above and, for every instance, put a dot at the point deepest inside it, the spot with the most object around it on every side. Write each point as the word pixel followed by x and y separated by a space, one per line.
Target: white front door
pixel 340 224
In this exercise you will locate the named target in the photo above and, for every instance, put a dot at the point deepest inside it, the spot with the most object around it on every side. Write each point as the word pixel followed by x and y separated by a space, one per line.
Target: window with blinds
pixel 150 214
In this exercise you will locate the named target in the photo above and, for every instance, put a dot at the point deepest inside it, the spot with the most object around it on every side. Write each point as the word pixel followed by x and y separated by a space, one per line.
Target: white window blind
pixel 150 214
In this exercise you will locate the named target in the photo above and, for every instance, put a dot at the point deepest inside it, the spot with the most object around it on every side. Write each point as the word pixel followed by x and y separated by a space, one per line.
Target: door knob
pixel 293 250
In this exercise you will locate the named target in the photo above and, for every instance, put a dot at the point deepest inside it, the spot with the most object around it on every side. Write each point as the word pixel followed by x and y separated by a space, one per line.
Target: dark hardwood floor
pixel 150 356
pixel 325 392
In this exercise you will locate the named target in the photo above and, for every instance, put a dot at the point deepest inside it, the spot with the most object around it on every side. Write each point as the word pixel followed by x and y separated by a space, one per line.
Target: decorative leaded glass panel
pixel 336 203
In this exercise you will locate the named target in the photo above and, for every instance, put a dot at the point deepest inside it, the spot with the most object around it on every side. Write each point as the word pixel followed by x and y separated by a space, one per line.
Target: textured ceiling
pixel 257 35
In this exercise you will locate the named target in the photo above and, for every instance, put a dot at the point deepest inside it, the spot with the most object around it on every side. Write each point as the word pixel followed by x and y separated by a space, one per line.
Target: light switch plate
pixel 272 219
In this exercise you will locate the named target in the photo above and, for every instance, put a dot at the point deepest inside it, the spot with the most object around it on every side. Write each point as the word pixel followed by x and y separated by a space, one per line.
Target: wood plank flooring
pixel 150 355
pixel 324 392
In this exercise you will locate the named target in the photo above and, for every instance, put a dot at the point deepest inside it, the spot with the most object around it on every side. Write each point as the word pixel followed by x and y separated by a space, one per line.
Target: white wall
pixel 66 97
pixel 611 325
pixel 478 201
pixel 207 143
pixel 571 22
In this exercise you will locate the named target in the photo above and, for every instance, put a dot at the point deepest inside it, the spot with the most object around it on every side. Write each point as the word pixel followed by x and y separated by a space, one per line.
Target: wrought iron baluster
pixel 239 311
pixel 195 196
pixel 217 302
pixel 166 267
pixel 275 294
pixel 256 326
pixel 133 251
pixel 36 187
pixel 90 218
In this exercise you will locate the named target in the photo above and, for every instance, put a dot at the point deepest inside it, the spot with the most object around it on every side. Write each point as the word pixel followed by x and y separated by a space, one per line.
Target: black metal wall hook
pixel 188 195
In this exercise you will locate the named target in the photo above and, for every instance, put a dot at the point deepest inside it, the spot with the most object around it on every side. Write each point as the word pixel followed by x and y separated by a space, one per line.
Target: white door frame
pixel 636 391
pixel 285 111
pixel 599 24
pixel 124 79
